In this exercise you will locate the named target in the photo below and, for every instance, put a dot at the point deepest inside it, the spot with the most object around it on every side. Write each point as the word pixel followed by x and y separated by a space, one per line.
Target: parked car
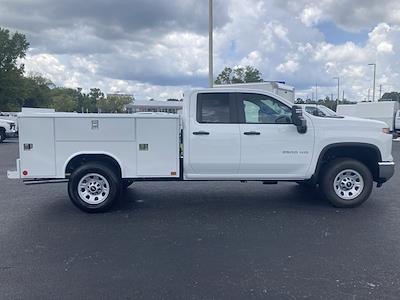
pixel 7 129
pixel 320 111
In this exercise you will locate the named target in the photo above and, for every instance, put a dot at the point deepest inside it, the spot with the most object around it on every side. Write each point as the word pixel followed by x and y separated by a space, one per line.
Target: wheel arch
pixel 81 158
pixel 368 154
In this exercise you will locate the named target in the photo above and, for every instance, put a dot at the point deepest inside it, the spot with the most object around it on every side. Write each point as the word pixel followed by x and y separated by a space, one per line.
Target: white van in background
pixel 280 89
pixel 385 111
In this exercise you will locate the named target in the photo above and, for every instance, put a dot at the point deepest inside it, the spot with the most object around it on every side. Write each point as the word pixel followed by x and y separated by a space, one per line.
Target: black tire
pixel 333 170
pixel 109 177
pixel 127 183
pixel 2 135
pixel 308 184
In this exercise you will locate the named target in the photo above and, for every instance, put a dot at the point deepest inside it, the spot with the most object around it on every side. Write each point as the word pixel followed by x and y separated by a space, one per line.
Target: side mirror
pixel 298 120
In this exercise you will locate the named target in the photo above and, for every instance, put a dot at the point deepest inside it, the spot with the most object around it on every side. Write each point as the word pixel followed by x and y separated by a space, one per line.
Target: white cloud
pixel 311 15
pixel 288 67
pixel 353 15
pixel 385 47
pixel 279 38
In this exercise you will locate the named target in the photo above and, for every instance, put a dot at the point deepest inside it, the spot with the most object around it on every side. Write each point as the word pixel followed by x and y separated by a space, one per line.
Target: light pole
pixel 210 44
pixel 373 92
pixel 338 90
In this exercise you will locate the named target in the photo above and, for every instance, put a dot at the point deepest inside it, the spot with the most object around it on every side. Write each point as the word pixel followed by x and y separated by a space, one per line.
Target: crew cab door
pixel 214 140
pixel 271 146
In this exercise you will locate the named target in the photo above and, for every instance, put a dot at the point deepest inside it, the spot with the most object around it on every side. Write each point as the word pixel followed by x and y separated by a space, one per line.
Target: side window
pixel 213 108
pixel 315 111
pixel 261 109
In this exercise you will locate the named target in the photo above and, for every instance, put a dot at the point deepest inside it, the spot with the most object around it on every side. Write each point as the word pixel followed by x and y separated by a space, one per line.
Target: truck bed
pixel 146 145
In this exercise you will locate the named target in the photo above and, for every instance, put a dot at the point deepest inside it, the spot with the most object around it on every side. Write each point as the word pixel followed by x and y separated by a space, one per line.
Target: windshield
pixel 321 111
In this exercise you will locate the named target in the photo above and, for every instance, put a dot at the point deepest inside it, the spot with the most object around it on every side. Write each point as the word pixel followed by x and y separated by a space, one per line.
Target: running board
pixel 44 181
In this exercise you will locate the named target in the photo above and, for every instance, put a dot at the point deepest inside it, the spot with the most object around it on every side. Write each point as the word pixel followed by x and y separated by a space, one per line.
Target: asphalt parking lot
pixel 197 241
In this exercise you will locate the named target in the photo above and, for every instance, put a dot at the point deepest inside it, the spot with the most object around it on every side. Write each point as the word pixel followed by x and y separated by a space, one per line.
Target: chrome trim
pixel 386 163
pixel 386 170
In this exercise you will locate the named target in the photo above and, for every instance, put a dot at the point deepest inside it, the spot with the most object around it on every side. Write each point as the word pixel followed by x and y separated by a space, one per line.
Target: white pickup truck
pixel 7 129
pixel 223 134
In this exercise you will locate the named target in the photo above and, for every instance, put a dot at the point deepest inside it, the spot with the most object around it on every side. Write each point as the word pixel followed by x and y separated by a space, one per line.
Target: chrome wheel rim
pixel 93 188
pixel 348 184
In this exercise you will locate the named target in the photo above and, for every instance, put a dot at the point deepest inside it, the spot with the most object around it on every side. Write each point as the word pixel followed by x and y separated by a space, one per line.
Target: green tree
pixel 36 91
pixel 239 75
pixel 95 96
pixel 114 103
pixel 392 96
pixel 65 99
pixel 13 48
pixel 64 103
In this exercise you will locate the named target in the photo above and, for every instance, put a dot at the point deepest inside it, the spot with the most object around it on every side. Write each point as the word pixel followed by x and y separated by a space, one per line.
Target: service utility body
pixel 233 134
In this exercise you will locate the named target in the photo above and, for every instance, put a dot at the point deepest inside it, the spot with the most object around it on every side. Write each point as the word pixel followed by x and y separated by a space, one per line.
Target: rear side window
pixel 213 108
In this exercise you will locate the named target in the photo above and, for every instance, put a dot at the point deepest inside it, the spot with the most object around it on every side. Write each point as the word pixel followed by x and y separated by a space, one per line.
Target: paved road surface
pixel 197 241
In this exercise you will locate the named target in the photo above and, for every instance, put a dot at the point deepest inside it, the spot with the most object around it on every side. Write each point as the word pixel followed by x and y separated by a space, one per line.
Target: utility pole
pixel 373 93
pixel 338 90
pixel 380 91
pixel 210 44
pixel 343 96
pixel 316 91
pixel 369 92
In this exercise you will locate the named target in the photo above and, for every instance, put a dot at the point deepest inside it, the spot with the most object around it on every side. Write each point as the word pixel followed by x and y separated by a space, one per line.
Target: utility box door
pixel 37 151
pixel 158 147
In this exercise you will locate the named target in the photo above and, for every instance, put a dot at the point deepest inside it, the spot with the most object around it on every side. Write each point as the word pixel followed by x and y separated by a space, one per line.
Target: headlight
pixel 386 130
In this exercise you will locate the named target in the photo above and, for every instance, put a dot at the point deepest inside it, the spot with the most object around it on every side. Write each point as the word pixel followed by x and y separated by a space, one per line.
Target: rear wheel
pixel 94 187
pixel 346 183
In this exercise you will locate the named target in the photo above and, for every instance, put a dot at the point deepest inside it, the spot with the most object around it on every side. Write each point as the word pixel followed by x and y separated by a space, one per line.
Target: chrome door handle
pixel 252 133
pixel 201 133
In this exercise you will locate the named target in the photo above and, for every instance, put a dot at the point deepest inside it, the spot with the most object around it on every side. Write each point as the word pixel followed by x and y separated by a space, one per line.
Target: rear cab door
pixel 212 145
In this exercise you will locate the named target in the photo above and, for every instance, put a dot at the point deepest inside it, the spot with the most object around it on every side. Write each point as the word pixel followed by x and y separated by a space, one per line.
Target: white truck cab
pixel 223 134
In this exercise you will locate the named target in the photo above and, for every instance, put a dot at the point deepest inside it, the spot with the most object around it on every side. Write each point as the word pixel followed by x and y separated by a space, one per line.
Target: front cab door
pixel 271 146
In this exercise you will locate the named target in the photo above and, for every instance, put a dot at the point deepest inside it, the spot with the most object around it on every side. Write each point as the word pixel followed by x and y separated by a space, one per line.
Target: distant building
pixel 121 95
pixel 172 107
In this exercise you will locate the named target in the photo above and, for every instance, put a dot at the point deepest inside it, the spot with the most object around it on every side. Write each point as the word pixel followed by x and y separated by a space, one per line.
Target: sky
pixel 158 49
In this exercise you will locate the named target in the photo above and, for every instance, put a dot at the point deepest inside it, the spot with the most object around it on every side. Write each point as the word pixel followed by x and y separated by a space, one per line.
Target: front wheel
pixel 127 183
pixel 2 135
pixel 94 187
pixel 346 183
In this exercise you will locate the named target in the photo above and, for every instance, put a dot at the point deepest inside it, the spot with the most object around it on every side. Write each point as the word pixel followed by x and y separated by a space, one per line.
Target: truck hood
pixel 346 122
pixel 6 121
pixel 367 122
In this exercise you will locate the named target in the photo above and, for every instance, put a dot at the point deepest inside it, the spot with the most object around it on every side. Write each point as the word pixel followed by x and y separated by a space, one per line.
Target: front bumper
pixel 386 170
pixel 12 134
